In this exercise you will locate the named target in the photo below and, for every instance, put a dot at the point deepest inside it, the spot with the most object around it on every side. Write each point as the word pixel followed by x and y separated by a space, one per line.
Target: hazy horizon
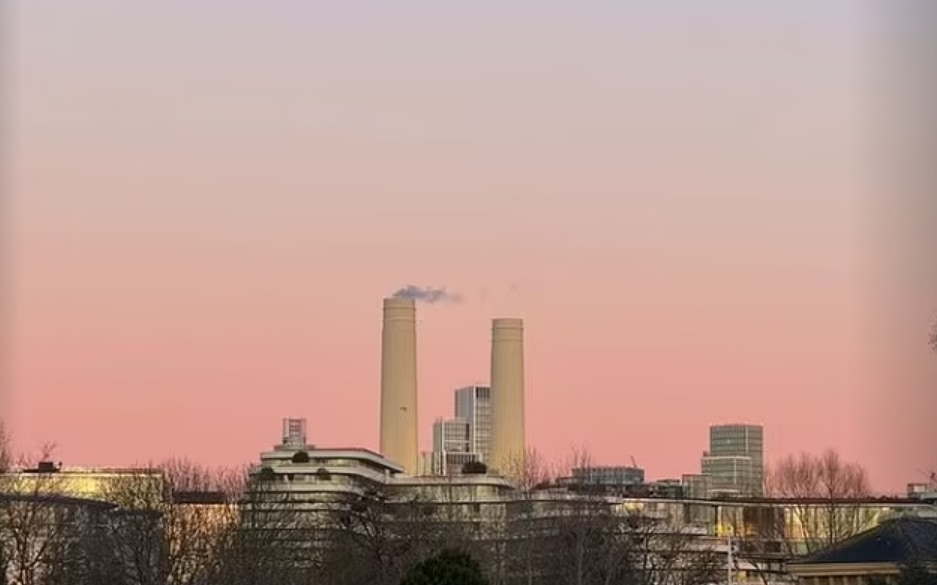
pixel 210 200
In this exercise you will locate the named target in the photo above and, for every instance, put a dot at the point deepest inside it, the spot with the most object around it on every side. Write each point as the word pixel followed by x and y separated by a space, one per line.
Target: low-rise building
pixel 876 555
pixel 609 475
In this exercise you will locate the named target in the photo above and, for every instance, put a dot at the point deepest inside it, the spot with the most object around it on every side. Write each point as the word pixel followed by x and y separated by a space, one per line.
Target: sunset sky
pixel 210 199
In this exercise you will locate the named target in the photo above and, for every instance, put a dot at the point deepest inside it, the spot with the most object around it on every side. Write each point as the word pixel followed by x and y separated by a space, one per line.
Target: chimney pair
pixel 399 437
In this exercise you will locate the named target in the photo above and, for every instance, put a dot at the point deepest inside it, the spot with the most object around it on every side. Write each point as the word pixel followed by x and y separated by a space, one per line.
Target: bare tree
pixel 35 520
pixel 174 522
pixel 138 535
pixel 584 544
pixel 6 457
pixel 84 552
pixel 276 538
pixel 363 547
pixel 597 546
pixel 583 547
pixel 822 499
pixel 55 540
pixel 663 553
pixel 813 502
pixel 933 337
pixel 377 536
pixel 517 555
pixel 200 513
pixel 529 472
pixel 761 535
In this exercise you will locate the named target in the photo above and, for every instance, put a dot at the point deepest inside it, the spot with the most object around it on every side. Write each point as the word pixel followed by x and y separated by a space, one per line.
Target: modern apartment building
pixel 452 446
pixel 473 404
pixel 734 462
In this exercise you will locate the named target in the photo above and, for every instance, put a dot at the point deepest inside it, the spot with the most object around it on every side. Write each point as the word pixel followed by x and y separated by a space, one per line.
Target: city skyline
pixel 400 382
pixel 674 200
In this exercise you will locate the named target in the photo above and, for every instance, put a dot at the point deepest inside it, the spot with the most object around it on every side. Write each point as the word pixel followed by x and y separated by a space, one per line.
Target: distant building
pixel 667 488
pixel 299 492
pixel 426 464
pixel 94 483
pixel 451 435
pixel 451 446
pixel 473 405
pixel 926 492
pixel 695 486
pixel 729 475
pixel 609 475
pixel 734 462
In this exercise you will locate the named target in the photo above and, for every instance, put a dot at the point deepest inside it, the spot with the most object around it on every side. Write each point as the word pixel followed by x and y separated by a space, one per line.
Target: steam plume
pixel 427 294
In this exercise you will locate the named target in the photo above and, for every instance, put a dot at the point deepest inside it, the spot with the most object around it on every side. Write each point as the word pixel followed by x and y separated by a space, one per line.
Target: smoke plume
pixel 427 294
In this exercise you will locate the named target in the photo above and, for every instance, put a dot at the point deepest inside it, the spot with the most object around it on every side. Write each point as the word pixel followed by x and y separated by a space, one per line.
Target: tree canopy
pixel 449 567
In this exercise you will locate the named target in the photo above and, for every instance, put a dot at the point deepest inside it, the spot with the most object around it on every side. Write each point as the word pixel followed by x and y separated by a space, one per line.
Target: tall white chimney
pixel 399 439
pixel 508 444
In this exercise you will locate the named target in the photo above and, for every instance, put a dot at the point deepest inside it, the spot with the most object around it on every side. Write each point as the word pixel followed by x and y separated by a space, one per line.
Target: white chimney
pixel 508 443
pixel 399 438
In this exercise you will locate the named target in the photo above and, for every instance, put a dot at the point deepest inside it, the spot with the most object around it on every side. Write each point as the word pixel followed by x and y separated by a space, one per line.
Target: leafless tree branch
pixel 818 501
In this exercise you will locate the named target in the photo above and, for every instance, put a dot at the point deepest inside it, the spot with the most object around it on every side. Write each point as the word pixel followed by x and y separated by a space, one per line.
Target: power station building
pixel 489 420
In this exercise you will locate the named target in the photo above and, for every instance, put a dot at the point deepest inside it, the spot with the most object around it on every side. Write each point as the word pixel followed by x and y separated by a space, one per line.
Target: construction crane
pixel 931 478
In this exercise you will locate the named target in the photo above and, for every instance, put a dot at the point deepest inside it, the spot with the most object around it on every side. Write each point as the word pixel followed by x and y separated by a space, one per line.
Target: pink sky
pixel 209 204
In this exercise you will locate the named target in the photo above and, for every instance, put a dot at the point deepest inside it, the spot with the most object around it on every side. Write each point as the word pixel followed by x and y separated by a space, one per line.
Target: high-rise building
pixel 734 462
pixel 473 404
pixel 451 446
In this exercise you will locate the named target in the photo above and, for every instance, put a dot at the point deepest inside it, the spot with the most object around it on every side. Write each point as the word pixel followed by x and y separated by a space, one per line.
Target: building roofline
pixel 57 499
pixel 332 453
pixel 808 501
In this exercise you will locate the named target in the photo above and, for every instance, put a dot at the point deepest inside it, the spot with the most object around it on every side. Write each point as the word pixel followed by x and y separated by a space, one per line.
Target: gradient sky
pixel 211 198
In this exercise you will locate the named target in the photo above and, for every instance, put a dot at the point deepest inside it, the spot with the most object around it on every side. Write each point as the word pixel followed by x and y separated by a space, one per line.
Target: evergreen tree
pixel 449 567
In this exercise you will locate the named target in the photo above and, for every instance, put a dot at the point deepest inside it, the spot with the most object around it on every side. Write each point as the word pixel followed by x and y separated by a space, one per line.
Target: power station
pixel 399 436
